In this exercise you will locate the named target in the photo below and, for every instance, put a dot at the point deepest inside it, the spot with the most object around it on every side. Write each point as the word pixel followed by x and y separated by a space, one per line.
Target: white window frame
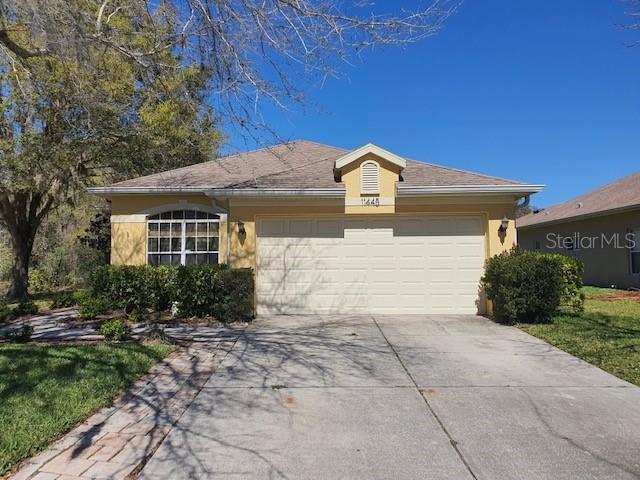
pixel 183 252
pixel 636 249
pixel 367 190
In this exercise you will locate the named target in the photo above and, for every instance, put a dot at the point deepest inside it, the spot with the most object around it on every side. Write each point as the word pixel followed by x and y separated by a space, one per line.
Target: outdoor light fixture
pixel 241 229
pixel 503 225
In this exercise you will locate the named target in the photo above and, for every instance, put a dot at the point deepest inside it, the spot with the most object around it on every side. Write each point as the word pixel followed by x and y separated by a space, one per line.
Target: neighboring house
pixel 325 229
pixel 601 228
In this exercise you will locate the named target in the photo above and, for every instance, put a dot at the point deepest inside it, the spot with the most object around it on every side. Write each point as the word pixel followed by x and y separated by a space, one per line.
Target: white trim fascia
pixel 368 149
pixel 134 190
pixel 468 189
pixel 223 192
pixel 320 192
pixel 275 192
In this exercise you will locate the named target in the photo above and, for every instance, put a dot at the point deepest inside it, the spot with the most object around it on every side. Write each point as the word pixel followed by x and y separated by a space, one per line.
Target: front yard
pixel 46 390
pixel 607 334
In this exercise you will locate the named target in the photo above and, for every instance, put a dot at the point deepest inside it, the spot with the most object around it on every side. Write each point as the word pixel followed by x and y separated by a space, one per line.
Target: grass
pixel 607 334
pixel 46 390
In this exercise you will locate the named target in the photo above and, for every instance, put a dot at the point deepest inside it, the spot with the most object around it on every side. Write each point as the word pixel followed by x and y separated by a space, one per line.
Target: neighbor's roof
pixel 299 165
pixel 612 198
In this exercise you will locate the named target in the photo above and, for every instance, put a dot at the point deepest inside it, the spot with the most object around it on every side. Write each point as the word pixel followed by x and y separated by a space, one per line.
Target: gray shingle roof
pixel 622 194
pixel 300 164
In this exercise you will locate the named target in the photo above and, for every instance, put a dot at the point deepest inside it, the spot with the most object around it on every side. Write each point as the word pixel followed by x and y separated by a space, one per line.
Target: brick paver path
pixel 116 442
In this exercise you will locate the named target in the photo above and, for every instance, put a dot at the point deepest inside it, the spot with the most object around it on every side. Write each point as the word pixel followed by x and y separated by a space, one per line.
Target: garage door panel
pixel 329 228
pixel 369 265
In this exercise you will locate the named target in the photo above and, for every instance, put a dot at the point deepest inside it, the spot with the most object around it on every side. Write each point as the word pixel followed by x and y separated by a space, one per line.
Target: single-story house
pixel 601 228
pixel 325 229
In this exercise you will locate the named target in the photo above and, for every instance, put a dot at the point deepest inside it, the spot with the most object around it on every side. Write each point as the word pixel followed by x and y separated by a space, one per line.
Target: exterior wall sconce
pixel 241 229
pixel 504 224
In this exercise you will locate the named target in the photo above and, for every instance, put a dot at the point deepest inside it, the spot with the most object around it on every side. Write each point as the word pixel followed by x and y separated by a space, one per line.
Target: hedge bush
pixel 91 307
pixel 68 299
pixel 135 287
pixel 195 290
pixel 115 330
pixel 531 286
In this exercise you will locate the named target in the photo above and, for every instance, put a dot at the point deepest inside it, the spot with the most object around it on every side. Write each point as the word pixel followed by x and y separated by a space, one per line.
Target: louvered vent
pixel 369 177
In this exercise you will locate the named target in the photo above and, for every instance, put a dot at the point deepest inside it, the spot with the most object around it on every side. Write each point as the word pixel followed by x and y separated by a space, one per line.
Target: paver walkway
pixel 117 441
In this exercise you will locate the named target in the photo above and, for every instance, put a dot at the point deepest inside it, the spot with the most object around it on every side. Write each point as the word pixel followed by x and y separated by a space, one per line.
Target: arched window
pixel 183 237
pixel 369 177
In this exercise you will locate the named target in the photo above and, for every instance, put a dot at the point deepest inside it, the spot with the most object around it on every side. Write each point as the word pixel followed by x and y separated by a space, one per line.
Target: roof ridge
pixel 460 170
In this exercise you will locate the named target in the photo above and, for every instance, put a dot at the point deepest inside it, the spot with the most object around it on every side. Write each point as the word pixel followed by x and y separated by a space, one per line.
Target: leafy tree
pixel 92 91
pixel 66 121
pixel 98 235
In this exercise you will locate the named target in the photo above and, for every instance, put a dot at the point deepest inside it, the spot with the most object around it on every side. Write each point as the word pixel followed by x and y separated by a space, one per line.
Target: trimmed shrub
pixel 531 286
pixel 134 287
pixel 220 292
pixel 64 300
pixel 25 307
pixel 91 307
pixel 21 336
pixel 195 290
pixel 115 330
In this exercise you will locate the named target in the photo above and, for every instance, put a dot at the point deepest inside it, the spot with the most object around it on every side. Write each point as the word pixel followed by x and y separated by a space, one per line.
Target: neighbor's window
pixel 635 251
pixel 183 237
pixel 369 177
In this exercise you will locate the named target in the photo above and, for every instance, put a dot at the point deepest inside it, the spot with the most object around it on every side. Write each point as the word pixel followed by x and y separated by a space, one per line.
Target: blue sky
pixel 544 92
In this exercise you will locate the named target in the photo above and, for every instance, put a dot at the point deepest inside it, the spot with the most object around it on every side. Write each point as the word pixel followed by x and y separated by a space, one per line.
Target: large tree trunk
pixel 22 214
pixel 22 243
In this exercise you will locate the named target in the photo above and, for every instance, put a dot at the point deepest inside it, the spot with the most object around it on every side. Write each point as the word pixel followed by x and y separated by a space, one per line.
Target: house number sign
pixel 370 201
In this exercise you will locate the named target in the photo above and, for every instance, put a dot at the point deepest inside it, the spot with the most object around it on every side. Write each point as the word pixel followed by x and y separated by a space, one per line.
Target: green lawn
pixel 46 390
pixel 607 334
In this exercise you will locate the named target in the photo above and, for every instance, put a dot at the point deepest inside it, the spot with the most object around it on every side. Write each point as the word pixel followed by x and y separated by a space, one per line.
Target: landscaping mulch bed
pixel 615 295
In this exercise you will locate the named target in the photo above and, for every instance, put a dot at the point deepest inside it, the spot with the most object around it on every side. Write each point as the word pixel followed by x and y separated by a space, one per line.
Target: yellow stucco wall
pixel 128 243
pixel 129 230
pixel 133 204
pixel 129 238
pixel 389 176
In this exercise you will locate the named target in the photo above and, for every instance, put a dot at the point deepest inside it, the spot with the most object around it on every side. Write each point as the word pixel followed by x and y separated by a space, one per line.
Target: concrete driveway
pixel 402 397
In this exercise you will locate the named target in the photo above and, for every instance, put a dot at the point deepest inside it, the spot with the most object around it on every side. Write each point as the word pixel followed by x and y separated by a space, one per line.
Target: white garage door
pixel 369 265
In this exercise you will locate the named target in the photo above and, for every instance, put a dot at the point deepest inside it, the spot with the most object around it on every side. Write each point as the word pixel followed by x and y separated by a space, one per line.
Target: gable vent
pixel 369 177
